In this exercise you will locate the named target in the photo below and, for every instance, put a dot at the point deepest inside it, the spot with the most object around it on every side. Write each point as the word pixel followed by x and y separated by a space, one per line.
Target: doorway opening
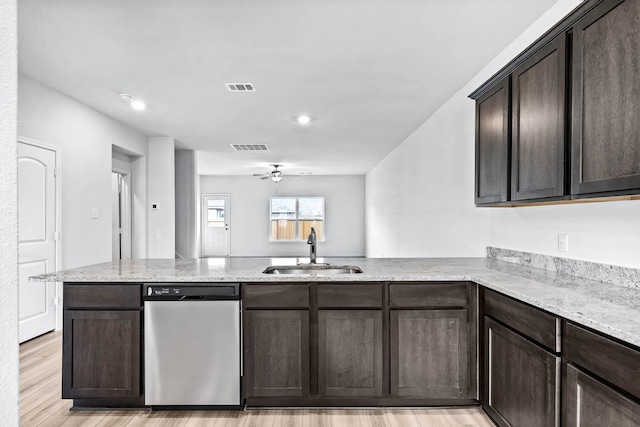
pixel 216 234
pixel 120 215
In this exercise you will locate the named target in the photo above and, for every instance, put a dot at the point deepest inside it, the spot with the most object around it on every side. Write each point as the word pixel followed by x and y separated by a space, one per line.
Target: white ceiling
pixel 367 72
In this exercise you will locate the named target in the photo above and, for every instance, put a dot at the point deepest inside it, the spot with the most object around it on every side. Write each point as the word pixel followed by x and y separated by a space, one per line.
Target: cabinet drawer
pixel 428 295
pixel 275 296
pixel 102 296
pixel 350 295
pixel 616 363
pixel 536 324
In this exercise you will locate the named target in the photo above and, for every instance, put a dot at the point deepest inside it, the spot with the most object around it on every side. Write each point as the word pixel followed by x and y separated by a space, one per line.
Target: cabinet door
pixel 101 354
pixel 276 353
pixel 493 145
pixel 590 403
pixel 538 136
pixel 521 379
pixel 606 89
pixel 429 356
pixel 350 353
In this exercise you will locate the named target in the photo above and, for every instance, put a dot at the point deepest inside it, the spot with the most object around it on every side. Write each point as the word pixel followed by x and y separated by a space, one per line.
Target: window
pixel 215 213
pixel 293 217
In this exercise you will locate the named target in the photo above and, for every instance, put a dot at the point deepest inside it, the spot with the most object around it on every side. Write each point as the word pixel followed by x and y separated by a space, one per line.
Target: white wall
pixel 427 209
pixel 161 192
pixel 85 139
pixel 186 204
pixel 250 226
pixel 9 413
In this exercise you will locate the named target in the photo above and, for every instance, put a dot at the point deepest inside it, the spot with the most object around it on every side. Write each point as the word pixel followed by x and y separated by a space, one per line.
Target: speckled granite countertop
pixel 610 309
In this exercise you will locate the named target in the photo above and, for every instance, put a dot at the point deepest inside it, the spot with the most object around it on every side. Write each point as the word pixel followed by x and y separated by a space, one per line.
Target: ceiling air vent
pixel 250 147
pixel 241 87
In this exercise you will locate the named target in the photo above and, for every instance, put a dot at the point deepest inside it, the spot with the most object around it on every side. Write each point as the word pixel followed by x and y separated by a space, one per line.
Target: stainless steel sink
pixel 313 269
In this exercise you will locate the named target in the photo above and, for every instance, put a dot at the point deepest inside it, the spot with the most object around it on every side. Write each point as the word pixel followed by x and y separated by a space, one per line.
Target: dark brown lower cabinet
pixel 521 379
pixel 350 353
pixel 276 345
pixel 429 355
pixel 101 354
pixel 590 403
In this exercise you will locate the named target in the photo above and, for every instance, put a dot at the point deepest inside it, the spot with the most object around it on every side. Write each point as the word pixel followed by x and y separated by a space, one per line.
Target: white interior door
pixel 37 234
pixel 215 225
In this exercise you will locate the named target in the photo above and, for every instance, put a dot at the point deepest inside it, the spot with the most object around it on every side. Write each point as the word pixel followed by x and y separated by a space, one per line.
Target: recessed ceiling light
pixel 127 98
pixel 303 120
pixel 138 105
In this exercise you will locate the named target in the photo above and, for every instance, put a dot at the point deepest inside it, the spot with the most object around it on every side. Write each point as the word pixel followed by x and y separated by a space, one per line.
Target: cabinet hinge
pixel 55 171
pixel 56 236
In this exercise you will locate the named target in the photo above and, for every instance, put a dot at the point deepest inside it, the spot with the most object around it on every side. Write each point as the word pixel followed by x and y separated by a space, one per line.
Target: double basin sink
pixel 313 269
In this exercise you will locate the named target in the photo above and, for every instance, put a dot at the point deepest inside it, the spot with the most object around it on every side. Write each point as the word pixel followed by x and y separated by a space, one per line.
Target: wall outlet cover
pixel 563 243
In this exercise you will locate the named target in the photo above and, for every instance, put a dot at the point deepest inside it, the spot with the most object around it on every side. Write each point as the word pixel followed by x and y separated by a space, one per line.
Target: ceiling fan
pixel 275 175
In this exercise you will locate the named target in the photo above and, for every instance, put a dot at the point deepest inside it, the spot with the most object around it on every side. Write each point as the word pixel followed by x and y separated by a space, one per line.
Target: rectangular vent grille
pixel 250 147
pixel 241 87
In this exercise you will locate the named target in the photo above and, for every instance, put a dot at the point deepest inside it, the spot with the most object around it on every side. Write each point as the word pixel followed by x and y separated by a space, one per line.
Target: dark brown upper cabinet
pixel 573 113
pixel 493 145
pixel 605 107
pixel 538 128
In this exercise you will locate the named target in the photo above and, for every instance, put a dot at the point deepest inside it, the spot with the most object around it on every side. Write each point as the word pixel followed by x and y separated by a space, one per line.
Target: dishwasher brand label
pixel 162 291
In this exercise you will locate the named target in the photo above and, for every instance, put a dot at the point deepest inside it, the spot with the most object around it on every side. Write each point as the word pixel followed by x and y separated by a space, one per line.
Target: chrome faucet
pixel 311 240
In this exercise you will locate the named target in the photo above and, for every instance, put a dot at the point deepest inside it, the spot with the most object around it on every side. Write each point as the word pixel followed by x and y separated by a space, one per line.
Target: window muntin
pixel 293 217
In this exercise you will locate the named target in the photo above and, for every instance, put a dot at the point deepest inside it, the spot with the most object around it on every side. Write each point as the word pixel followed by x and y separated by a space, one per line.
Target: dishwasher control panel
pixel 187 291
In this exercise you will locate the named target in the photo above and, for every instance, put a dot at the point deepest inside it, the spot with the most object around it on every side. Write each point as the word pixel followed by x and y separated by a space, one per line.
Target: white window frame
pixel 297 220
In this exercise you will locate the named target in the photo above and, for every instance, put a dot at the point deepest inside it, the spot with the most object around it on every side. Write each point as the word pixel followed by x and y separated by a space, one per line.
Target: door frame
pixel 58 197
pixel 203 219
pixel 128 203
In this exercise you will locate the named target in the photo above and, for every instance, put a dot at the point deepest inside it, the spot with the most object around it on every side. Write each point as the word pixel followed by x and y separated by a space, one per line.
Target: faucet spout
pixel 311 240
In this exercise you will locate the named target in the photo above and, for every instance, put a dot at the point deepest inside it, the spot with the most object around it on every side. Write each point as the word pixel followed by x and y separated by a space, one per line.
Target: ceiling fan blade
pixel 265 177
pixel 260 174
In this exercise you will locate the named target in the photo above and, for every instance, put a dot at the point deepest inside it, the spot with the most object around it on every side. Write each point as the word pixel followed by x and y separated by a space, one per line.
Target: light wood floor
pixel 41 405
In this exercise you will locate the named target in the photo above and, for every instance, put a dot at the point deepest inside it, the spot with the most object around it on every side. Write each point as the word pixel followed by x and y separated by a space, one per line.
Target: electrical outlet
pixel 563 243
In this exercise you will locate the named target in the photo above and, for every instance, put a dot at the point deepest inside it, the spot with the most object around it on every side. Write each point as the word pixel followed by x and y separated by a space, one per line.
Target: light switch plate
pixel 95 213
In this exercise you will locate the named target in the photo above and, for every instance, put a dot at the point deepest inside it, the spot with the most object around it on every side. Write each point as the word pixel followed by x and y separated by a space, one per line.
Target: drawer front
pixel 616 363
pixel 419 295
pixel 536 324
pixel 275 296
pixel 350 295
pixel 102 296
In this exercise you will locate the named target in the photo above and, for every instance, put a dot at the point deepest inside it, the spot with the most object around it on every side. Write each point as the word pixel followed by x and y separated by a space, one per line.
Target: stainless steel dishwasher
pixel 192 344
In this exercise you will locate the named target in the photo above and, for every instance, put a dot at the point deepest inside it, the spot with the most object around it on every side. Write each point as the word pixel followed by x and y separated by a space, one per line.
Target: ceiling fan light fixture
pixel 276 178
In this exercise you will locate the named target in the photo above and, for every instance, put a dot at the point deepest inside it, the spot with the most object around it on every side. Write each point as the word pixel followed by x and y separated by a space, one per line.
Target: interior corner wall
pixel 249 206
pixel 9 412
pixel 161 193
pixel 186 206
pixel 426 206
pixel 84 137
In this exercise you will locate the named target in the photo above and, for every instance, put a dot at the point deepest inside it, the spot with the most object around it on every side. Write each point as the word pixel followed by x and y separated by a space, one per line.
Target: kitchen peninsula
pixel 405 332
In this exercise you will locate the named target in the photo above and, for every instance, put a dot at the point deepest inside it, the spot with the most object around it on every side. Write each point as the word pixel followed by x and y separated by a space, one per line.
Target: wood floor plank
pixel 41 406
